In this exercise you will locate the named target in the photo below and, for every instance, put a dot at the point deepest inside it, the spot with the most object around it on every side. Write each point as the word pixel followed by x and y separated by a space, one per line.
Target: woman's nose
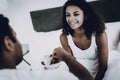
pixel 71 18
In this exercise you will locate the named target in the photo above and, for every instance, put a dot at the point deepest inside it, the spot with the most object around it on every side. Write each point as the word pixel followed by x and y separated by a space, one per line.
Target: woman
pixel 84 41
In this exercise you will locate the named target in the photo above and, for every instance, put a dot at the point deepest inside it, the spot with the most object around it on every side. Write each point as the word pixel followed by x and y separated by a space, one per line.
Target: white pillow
pixel 112 32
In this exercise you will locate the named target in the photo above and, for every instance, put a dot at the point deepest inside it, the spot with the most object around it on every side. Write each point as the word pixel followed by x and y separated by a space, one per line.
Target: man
pixel 11 55
pixel 10 48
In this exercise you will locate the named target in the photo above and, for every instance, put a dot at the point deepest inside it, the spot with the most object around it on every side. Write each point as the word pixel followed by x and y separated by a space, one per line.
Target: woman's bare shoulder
pixel 63 39
pixel 101 38
pixel 63 36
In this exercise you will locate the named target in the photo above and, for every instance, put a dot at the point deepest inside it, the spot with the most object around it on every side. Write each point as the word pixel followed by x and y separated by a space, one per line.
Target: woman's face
pixel 74 16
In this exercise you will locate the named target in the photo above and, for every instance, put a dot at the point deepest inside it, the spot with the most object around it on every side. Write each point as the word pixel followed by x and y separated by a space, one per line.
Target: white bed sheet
pixel 12 74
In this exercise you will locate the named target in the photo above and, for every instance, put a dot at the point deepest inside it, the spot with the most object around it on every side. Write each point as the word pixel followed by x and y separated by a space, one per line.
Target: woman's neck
pixel 79 32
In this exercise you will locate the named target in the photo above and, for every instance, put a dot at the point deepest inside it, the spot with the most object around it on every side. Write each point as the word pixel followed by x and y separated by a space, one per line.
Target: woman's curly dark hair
pixel 92 24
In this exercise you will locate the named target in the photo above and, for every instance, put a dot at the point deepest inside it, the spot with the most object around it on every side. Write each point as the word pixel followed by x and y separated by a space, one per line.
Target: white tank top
pixel 87 57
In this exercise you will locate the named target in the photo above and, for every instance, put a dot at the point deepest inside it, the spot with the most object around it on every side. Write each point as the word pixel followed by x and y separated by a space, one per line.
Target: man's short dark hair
pixel 5 30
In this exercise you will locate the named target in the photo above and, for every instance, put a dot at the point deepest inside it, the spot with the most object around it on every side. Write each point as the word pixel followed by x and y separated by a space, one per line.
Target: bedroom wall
pixel 107 9
pixel 18 11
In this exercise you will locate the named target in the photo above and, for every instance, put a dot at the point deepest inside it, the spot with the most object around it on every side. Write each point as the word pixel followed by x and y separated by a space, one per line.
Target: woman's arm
pixel 64 43
pixel 102 46
pixel 74 66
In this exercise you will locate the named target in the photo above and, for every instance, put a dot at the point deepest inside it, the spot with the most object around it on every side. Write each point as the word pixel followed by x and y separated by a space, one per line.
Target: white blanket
pixel 7 74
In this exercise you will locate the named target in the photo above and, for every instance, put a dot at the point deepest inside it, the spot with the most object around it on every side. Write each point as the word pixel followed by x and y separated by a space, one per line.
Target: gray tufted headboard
pixel 51 19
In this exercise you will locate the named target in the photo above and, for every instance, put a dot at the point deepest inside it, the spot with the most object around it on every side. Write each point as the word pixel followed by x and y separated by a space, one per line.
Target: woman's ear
pixel 9 44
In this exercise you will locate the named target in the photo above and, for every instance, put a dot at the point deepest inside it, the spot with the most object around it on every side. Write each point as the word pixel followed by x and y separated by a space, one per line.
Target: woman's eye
pixel 76 14
pixel 67 15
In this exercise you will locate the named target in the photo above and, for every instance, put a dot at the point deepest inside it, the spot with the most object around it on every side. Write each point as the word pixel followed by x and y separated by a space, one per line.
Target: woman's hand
pixel 58 55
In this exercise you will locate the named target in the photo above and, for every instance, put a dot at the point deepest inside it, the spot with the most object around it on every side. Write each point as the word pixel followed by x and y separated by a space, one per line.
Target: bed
pixel 50 36
pixel 48 32
pixel 43 43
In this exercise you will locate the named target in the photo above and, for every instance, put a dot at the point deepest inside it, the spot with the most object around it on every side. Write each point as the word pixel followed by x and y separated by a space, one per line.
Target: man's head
pixel 10 48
